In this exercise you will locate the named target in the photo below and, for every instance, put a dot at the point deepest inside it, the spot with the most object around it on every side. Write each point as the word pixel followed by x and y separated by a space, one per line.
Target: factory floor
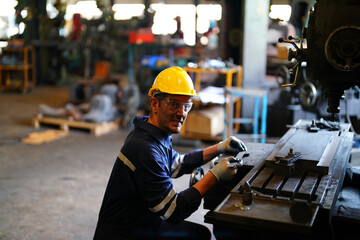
pixel 54 190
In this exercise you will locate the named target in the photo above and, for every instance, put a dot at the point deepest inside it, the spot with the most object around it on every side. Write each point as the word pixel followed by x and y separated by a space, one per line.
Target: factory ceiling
pixel 142 1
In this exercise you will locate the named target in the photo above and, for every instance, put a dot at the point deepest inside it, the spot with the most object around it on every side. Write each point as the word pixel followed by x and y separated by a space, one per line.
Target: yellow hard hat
pixel 173 80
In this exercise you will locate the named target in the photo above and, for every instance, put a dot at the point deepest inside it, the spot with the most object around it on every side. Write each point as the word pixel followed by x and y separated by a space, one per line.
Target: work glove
pixel 232 145
pixel 225 170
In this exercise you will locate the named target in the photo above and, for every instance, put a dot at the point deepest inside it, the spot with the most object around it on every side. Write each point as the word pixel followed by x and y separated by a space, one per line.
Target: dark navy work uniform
pixel 140 199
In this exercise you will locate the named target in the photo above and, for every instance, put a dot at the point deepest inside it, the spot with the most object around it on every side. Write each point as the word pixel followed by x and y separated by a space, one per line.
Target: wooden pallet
pixel 95 128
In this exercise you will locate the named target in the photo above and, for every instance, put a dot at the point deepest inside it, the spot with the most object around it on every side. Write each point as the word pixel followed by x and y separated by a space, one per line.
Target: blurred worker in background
pixel 140 201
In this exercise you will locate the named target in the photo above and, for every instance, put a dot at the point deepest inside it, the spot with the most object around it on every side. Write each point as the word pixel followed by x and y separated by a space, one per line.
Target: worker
pixel 140 201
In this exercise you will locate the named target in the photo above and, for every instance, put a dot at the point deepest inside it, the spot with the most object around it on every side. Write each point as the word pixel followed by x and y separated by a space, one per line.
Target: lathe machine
pixel 288 190
pixel 285 190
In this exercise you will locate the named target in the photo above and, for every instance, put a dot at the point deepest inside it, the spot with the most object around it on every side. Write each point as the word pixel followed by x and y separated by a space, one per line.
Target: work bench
pixel 286 190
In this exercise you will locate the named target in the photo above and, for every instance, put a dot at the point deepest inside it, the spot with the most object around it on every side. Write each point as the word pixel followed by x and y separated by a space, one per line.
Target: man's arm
pixel 210 152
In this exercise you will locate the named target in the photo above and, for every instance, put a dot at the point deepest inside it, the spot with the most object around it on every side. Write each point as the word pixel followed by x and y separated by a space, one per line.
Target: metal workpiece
pixel 248 194
pixel 317 125
pixel 289 185
pixel 236 163
pixel 248 198
pixel 313 127
pixel 285 165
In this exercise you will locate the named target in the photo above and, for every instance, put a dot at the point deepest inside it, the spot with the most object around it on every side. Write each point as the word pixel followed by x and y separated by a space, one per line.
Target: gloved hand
pixel 232 145
pixel 224 171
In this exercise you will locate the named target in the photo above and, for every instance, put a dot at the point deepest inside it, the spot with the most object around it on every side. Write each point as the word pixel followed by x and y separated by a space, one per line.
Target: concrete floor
pixel 54 190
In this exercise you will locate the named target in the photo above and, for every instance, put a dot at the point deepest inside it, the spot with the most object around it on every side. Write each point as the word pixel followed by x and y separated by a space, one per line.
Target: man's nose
pixel 181 110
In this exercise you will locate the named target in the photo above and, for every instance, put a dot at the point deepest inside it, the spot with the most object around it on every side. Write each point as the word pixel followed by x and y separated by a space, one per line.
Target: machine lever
pixel 298 54
pixel 281 40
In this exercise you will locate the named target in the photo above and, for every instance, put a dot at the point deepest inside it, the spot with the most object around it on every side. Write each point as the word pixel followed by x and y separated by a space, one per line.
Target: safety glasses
pixel 174 105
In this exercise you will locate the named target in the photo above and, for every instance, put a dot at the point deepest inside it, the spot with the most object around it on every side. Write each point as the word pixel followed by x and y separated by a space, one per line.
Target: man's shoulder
pixel 143 150
pixel 141 142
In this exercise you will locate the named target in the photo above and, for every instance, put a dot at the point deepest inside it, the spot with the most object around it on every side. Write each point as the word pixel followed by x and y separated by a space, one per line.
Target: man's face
pixel 172 112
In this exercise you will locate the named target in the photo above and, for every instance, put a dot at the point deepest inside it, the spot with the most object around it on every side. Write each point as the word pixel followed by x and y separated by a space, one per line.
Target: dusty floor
pixel 54 190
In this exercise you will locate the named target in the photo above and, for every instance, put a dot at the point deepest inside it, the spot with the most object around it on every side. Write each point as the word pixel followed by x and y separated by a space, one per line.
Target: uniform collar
pixel 160 135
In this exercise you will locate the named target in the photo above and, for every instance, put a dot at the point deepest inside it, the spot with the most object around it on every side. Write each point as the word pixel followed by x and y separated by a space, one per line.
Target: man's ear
pixel 154 102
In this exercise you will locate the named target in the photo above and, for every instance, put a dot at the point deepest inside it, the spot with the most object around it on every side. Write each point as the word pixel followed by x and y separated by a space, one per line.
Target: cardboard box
pixel 282 52
pixel 207 121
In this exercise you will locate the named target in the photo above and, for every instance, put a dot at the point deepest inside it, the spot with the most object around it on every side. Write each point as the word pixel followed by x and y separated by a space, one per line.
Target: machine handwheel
pixel 308 94
pixel 196 175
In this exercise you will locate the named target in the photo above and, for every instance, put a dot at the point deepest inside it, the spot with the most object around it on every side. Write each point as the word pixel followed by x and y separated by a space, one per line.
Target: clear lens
pixel 175 105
